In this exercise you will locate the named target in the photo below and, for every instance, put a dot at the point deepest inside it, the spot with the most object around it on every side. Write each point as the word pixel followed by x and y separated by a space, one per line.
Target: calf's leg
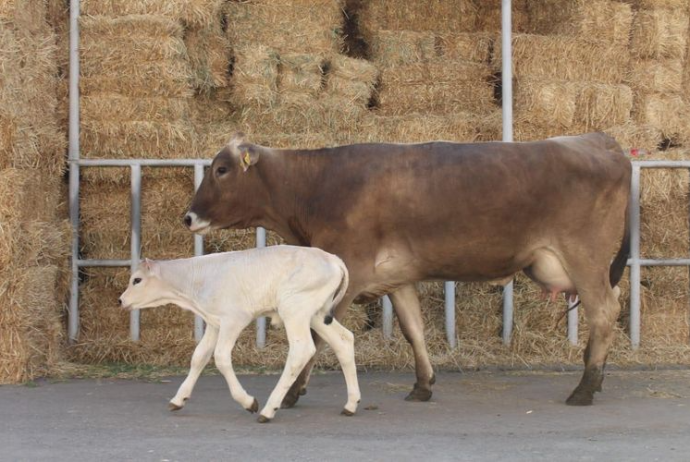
pixel 301 351
pixel 409 313
pixel 200 358
pixel 229 331
pixel 342 341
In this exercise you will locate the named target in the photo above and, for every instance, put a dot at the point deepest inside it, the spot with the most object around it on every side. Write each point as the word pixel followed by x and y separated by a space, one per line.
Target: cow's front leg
pixel 301 351
pixel 230 330
pixel 409 313
pixel 200 358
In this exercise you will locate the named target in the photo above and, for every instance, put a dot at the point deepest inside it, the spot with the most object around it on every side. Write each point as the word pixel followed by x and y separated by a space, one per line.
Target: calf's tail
pixel 340 293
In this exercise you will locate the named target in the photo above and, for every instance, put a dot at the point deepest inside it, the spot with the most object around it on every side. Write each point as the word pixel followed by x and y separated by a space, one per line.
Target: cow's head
pixel 146 289
pixel 230 191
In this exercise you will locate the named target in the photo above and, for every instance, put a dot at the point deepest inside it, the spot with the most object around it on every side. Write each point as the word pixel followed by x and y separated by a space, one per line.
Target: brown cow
pixel 402 213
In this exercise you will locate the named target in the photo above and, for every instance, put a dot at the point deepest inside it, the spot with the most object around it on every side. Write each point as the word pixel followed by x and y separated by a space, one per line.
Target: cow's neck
pixel 291 179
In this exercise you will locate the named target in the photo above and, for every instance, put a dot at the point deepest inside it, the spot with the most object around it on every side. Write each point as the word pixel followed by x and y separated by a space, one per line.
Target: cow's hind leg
pixel 601 311
pixel 409 313
pixel 342 341
pixel 299 387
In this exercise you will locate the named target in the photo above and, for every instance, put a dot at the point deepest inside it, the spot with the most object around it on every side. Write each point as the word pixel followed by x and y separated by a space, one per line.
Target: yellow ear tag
pixel 246 159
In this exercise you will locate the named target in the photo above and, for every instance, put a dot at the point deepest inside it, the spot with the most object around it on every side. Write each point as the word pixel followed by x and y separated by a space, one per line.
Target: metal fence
pixel 635 261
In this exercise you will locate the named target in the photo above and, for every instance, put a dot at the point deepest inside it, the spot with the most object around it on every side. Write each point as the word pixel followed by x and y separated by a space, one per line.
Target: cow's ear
pixel 249 155
pixel 149 265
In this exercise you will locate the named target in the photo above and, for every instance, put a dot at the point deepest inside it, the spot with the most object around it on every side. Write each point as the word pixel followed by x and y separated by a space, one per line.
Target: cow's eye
pixel 221 171
pixel 136 281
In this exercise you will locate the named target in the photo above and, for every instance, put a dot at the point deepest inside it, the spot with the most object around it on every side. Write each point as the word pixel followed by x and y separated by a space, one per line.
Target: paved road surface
pixel 641 416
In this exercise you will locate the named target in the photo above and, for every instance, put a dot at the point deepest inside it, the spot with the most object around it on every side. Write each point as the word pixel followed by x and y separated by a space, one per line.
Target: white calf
pixel 228 290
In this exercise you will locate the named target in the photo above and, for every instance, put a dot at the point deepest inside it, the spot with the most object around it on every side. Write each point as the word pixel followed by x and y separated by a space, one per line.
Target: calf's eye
pixel 136 281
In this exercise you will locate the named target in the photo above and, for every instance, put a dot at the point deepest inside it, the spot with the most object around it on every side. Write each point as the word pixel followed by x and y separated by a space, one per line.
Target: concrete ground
pixel 640 416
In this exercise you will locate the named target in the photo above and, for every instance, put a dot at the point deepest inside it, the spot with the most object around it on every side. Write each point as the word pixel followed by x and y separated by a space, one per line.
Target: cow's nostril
pixel 119 300
pixel 188 220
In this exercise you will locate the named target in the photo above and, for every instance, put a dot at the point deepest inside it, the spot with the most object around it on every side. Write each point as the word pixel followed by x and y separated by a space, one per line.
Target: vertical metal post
pixel 136 242
pixel 261 322
pixel 635 257
pixel 73 155
pixel 507 112
pixel 387 317
pixel 449 289
pixel 572 321
pixel 198 250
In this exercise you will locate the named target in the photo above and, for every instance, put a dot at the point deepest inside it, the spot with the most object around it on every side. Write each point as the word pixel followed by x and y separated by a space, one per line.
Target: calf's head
pixel 230 193
pixel 146 289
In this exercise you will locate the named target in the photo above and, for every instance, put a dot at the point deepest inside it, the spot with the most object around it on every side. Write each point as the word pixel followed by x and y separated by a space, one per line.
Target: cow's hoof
pixel 173 407
pixel 254 407
pixel 419 394
pixel 347 413
pixel 263 419
pixel 291 398
pixel 580 398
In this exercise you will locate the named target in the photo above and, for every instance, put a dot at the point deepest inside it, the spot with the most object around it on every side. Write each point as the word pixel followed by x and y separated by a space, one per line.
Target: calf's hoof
pixel 173 407
pixel 292 397
pixel 580 398
pixel 419 394
pixel 263 419
pixel 254 407
pixel 347 413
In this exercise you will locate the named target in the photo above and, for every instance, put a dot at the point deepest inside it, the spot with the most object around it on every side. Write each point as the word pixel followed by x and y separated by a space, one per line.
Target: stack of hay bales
pixel 658 47
pixel 137 97
pixel 34 242
pixel 435 79
pixel 569 71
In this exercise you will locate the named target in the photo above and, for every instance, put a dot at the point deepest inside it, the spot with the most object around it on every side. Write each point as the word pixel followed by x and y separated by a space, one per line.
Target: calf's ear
pixel 148 265
pixel 249 155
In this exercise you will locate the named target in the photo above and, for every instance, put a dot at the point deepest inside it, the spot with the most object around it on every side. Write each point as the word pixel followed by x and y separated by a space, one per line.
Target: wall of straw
pixel 174 79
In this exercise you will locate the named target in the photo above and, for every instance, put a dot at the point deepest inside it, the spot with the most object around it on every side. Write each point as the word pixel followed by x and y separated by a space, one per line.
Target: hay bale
pixel 350 79
pixel 473 47
pixel 255 76
pixel 565 58
pixel 441 16
pixel 436 88
pixel 599 19
pixel 489 16
pixel 115 108
pixel 659 4
pixel 395 47
pixel 30 324
pixel 417 128
pixel 659 34
pixel 193 12
pixel 27 195
pixel 546 102
pixel 653 76
pixel 209 55
pixel 599 105
pixel 312 27
pixel 665 112
pixel 25 15
pixel 633 136
pixel 301 73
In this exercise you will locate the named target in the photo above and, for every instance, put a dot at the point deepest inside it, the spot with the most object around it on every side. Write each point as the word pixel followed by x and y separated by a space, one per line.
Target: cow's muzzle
pixel 196 225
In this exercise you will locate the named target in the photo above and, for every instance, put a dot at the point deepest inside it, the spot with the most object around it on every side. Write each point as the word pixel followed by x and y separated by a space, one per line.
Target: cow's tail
pixel 340 292
pixel 621 259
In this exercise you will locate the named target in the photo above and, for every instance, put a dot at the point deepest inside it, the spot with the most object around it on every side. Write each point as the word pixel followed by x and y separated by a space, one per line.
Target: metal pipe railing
pixel 135 242
pixel 198 251
pixel 634 213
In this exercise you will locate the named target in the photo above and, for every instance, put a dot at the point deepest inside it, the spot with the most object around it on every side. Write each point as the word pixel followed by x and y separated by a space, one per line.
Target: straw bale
pixel 599 19
pixel 192 12
pixel 666 112
pixel 659 4
pixel 659 34
pixel 288 27
pixel 141 26
pixel 27 194
pixel 465 47
pixel 436 88
pixel 546 102
pixel 358 93
pixel 353 69
pixel 654 76
pixel 30 325
pixel 32 243
pixel 441 16
pixel 301 73
pixel 165 79
pixel 489 16
pixel 255 76
pixel 28 16
pixel 209 55
pixel 351 79
pixel 599 105
pixel 565 58
pixel 633 136
pixel 105 217
pixel 417 128
pixel 114 108
pixel 395 47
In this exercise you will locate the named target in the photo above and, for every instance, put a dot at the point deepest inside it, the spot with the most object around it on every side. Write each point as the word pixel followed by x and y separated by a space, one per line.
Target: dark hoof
pixel 419 394
pixel 173 407
pixel 347 413
pixel 263 419
pixel 580 398
pixel 291 398
pixel 254 407
pixel 432 380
